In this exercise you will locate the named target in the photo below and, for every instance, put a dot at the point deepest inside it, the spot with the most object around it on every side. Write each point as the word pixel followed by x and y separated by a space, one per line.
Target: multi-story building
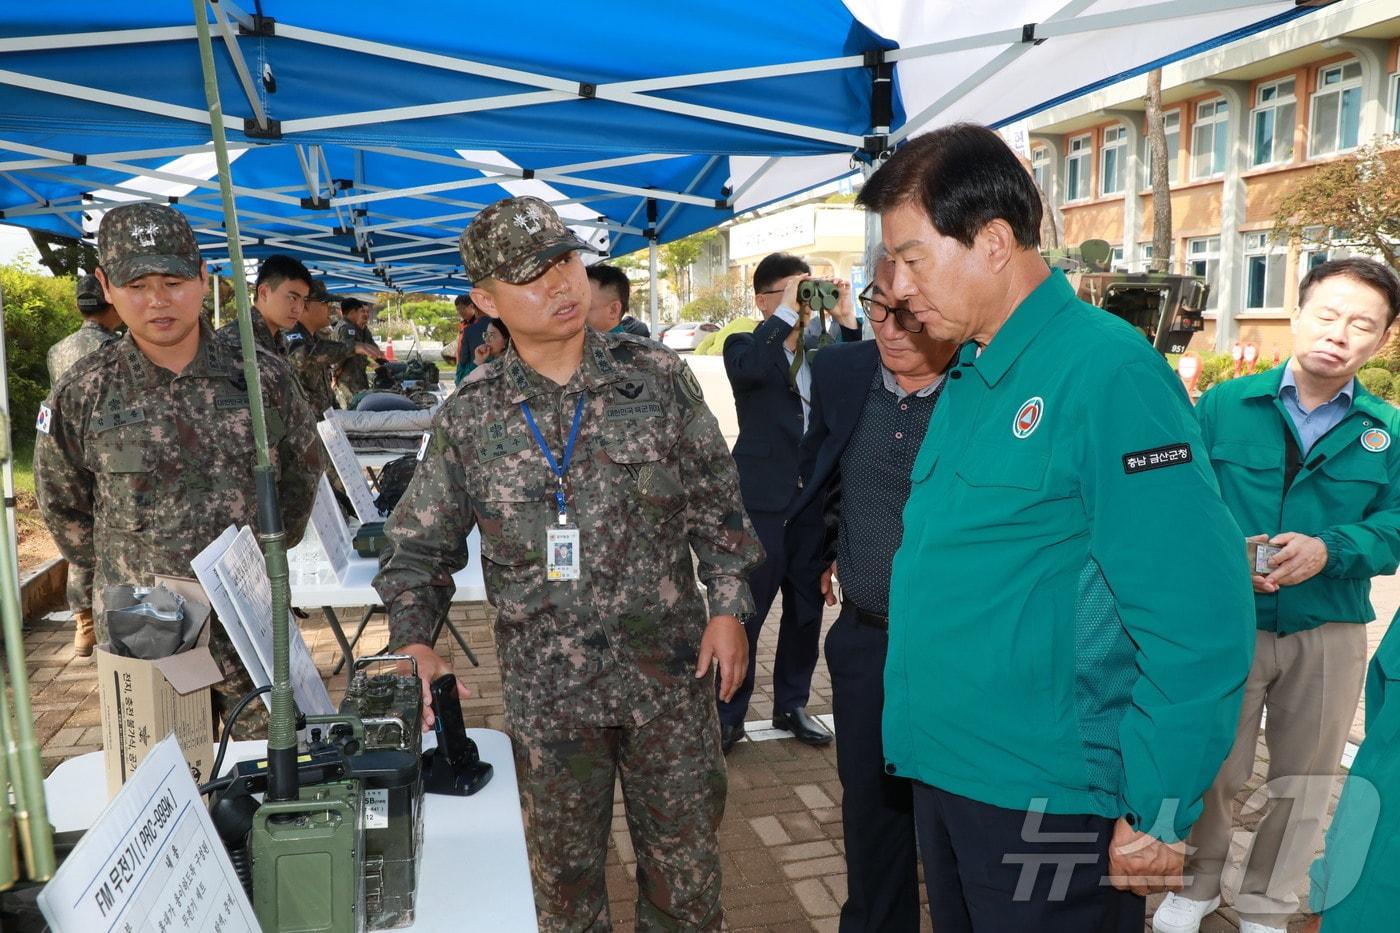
pixel 1244 123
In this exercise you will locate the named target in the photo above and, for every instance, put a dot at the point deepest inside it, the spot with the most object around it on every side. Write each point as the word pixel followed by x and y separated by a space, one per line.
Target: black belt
pixel 871 619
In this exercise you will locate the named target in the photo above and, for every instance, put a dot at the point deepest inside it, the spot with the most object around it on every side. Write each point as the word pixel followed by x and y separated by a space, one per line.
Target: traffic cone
pixel 389 351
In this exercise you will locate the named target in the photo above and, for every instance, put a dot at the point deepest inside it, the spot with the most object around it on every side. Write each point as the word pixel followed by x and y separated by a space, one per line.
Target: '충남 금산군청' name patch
pixel 1143 460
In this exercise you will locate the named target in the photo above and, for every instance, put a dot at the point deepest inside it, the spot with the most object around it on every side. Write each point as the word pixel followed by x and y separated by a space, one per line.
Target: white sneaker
pixel 1179 914
pixel 1249 926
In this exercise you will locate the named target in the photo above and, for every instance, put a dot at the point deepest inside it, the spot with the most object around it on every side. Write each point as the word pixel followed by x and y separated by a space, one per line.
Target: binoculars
pixel 818 295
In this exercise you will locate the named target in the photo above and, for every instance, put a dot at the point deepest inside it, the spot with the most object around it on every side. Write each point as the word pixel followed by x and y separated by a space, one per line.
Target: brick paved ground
pixel 781 836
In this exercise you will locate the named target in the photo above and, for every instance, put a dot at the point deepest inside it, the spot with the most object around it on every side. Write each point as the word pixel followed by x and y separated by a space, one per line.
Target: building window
pixel 1319 246
pixel 1395 104
pixel 1171 126
pixel 1263 272
pixel 1273 119
pixel 1115 260
pixel 1336 109
pixel 1111 167
pixel 1209 138
pixel 1078 167
pixel 1203 259
pixel 1040 167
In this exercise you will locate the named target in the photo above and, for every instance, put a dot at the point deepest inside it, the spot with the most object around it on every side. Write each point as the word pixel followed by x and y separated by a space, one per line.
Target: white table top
pixel 474 873
pixel 314 582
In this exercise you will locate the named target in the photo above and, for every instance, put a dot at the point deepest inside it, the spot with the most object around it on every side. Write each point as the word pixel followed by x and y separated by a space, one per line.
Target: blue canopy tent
pixel 364 137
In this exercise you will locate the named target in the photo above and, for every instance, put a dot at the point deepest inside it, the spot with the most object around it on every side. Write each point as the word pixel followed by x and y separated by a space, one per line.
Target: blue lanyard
pixel 560 469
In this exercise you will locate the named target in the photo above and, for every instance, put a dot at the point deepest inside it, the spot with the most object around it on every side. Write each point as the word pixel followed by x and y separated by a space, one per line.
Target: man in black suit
pixel 771 379
pixel 871 404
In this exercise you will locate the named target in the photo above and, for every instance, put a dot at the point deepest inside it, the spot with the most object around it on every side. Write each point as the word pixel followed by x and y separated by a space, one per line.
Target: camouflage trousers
pixel 673 787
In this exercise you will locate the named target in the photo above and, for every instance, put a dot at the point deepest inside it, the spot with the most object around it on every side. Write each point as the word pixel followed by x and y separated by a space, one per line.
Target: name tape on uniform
pixel 1143 460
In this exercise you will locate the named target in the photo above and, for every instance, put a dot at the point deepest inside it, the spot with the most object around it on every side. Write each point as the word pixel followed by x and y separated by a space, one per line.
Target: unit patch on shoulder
pixel 1143 460
pixel 1375 440
pixel 689 385
pixel 1028 417
pixel 45 422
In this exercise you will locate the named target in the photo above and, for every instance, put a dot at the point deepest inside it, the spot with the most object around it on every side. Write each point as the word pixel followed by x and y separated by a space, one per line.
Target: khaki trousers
pixel 1310 682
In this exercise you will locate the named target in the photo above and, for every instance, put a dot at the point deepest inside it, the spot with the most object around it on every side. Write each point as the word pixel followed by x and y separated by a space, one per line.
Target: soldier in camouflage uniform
pixel 279 298
pixel 144 452
pixel 100 322
pixel 313 349
pixel 611 671
pixel 351 376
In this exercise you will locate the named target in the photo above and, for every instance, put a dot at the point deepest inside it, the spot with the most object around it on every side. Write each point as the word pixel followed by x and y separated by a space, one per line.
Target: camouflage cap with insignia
pixel 91 300
pixel 515 240
pixel 138 239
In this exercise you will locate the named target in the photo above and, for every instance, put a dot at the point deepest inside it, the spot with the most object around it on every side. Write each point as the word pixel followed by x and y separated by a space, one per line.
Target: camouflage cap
pixel 137 239
pixel 91 300
pixel 514 240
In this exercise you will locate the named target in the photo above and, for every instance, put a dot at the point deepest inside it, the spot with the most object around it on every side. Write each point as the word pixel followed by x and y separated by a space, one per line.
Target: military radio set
pixel 345 854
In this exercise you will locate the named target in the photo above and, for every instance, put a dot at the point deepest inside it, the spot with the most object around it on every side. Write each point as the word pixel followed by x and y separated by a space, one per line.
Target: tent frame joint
pixel 252 130
pixel 587 90
pixel 874 58
pixel 315 204
pixel 261 25
pixel 79 159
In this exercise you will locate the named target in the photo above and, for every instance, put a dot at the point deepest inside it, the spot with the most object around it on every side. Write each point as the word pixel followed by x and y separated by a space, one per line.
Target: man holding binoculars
pixel 772 385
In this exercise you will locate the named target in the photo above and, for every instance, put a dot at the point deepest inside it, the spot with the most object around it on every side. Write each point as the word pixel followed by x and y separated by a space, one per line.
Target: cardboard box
pixel 144 701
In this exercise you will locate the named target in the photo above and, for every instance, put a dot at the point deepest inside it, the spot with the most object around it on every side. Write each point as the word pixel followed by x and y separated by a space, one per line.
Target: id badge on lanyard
pixel 563 555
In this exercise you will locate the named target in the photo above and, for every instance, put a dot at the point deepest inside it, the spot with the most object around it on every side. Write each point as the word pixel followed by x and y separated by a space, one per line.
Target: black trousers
pixel 992 870
pixel 877 811
pixel 793 567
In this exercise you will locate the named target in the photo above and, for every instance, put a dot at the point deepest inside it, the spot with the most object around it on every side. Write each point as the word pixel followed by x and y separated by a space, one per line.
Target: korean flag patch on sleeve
pixel 45 421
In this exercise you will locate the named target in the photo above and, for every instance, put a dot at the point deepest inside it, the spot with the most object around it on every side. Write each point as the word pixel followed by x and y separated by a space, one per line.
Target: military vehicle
pixel 1165 308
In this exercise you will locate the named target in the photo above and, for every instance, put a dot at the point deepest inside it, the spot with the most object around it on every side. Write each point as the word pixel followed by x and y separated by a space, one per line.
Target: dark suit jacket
pixel 841 378
pixel 770 414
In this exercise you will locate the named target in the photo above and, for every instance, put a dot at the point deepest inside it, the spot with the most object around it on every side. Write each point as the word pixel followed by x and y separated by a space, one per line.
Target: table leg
pixel 346 651
pixel 471 655
pixel 355 640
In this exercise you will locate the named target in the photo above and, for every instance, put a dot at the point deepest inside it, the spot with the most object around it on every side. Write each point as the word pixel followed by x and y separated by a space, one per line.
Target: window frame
pixel 1042 166
pixel 1217 124
pixel 1085 155
pixel 1260 107
pixel 1119 148
pixel 1272 251
pixel 1206 256
pixel 1346 84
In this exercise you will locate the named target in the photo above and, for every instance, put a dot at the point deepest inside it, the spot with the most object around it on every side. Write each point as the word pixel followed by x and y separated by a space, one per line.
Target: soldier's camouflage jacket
pixel 74 347
pixel 351 375
pixel 138 469
pixel 262 334
pixel 651 480
pixel 313 356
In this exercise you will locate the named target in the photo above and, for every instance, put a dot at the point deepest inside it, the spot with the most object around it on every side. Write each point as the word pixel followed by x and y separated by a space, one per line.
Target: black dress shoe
pixel 808 730
pixel 729 735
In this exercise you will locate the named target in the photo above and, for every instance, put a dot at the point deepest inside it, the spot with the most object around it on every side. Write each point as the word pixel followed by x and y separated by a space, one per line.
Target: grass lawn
pixel 24 466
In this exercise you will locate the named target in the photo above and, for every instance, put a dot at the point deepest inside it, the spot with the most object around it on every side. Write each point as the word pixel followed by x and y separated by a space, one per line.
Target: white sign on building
pixel 785 230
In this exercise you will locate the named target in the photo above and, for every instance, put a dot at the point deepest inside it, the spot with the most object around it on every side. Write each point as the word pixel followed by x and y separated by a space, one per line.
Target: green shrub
pixel 1377 381
pixel 39 311
pixel 1215 368
pixel 713 345
pixel 1376 362
pixel 709 305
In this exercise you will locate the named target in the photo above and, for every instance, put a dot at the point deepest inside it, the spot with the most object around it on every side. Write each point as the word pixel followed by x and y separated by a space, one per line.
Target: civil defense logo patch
pixel 1375 440
pixel 1028 417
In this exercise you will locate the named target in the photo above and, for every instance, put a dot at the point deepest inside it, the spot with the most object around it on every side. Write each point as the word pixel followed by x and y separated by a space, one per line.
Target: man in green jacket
pixel 1069 617
pixel 1306 464
pixel 1354 884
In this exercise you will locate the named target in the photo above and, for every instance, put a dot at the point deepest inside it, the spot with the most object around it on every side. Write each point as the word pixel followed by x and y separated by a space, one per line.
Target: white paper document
pixel 330 528
pixel 152 863
pixel 352 478
pixel 246 593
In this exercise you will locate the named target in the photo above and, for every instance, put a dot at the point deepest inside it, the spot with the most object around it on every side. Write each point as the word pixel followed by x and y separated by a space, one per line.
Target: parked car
pixel 687 335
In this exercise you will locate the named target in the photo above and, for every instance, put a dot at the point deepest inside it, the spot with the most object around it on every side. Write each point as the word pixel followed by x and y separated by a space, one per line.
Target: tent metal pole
pixel 98 96
pixel 26 770
pixel 651 263
pixel 281 734
pixel 217 296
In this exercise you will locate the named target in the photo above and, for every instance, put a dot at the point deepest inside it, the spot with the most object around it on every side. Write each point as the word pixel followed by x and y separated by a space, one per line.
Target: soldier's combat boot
pixel 83 636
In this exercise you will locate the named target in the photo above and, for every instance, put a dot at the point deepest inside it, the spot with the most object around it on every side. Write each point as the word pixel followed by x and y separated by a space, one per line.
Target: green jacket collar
pixel 1021 327
pixel 1267 384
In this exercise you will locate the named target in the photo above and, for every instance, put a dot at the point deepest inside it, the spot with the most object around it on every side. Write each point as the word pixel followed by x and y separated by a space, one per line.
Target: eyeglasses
pixel 877 312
